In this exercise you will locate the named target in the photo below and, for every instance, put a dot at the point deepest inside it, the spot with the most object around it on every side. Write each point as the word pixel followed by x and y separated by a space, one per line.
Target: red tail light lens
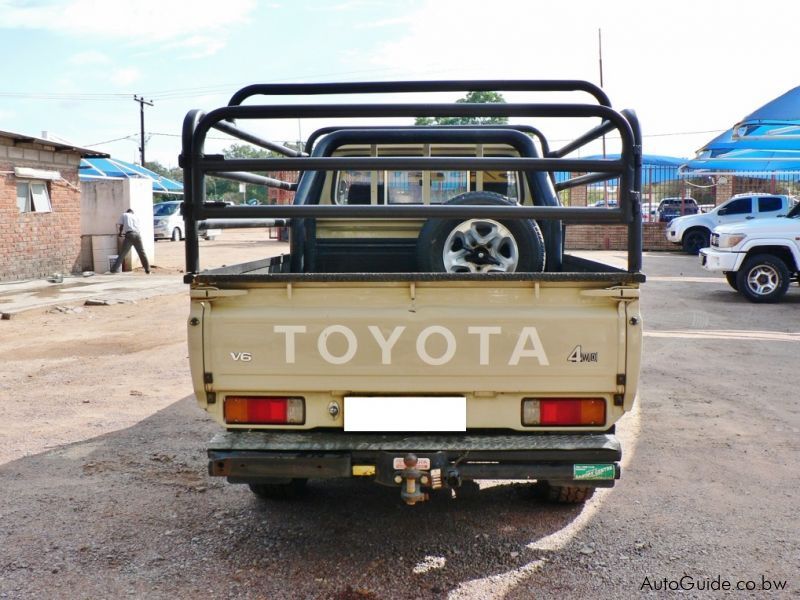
pixel 572 412
pixel 264 410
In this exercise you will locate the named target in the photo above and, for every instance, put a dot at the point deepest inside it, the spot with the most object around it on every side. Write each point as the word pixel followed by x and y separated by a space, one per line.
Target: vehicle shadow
pixel 134 511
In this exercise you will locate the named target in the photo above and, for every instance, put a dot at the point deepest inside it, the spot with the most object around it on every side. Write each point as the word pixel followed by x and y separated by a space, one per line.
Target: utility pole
pixel 142 102
pixel 600 61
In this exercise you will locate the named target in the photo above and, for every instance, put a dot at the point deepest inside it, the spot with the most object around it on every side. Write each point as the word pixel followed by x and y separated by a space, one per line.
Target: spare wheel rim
pixel 480 246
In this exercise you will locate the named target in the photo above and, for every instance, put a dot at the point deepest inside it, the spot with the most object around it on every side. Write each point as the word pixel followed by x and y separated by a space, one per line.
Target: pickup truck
pixel 759 258
pixel 426 326
pixel 693 232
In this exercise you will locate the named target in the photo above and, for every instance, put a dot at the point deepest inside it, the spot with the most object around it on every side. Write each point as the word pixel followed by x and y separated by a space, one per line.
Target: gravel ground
pixel 104 492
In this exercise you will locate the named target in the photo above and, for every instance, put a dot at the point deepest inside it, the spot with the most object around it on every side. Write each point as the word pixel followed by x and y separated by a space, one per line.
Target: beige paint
pixel 494 343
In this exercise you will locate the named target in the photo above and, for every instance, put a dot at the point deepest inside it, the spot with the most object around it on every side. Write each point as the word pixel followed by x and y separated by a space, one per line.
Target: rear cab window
pixel 422 187
pixel 770 204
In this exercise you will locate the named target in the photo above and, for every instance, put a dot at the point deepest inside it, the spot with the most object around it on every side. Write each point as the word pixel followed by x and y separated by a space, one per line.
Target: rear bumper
pixel 579 459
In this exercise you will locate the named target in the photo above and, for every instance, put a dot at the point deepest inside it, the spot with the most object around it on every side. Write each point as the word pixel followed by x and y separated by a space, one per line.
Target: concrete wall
pixel 102 203
pixel 37 244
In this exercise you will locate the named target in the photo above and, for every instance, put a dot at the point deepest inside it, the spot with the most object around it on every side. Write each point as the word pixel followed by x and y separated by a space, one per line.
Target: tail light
pixel 575 412
pixel 264 410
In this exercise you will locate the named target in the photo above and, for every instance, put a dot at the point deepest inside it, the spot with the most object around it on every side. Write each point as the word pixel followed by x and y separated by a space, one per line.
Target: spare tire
pixel 480 245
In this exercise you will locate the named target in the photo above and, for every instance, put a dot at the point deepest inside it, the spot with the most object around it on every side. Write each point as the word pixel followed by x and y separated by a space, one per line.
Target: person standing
pixel 130 230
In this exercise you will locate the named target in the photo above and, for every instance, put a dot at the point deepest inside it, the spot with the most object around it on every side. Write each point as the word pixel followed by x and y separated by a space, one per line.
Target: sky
pixel 690 69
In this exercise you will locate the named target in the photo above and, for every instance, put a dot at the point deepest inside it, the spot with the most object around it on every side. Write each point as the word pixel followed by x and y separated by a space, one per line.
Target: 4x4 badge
pixel 579 356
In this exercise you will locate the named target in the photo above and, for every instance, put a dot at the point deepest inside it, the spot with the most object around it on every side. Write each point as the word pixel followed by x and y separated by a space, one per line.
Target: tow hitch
pixel 411 481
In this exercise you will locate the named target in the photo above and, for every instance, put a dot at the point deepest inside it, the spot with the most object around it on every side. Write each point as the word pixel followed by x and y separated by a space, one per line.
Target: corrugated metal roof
pixel 114 168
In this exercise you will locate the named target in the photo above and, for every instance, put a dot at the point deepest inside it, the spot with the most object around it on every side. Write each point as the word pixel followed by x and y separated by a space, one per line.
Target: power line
pixel 100 97
pixel 119 139
pixel 226 88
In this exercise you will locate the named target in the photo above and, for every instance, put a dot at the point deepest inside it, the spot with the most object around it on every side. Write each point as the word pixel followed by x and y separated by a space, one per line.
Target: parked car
pixel 168 222
pixel 693 232
pixel 759 258
pixel 670 208
pixel 605 204
pixel 649 210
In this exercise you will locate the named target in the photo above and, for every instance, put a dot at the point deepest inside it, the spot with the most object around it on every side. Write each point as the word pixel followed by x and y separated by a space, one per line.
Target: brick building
pixel 280 196
pixel 40 207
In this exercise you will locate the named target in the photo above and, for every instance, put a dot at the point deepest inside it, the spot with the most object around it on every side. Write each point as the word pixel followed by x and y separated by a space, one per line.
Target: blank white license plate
pixel 404 413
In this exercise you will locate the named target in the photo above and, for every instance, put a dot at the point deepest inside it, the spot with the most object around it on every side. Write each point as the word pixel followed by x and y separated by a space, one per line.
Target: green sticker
pixel 593 472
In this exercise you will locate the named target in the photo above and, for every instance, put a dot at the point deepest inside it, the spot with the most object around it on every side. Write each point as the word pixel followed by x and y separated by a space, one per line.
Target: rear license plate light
pixel 264 410
pixel 563 412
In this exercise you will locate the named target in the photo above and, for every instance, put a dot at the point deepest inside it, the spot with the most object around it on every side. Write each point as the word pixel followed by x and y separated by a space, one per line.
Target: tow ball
pixel 411 481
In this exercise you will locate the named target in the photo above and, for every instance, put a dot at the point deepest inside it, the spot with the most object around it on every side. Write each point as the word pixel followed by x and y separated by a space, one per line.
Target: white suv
pixel 693 232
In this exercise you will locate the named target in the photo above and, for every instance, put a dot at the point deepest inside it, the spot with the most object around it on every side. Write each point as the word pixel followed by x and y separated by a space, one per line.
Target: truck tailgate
pixel 368 337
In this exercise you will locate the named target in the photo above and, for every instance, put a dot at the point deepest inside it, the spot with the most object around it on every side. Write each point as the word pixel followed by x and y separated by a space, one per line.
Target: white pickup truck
pixel 759 258
pixel 694 231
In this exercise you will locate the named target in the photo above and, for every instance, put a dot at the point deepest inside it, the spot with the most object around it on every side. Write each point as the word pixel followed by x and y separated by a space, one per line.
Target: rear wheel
pixel 283 489
pixel 731 277
pixel 695 239
pixel 562 494
pixel 763 278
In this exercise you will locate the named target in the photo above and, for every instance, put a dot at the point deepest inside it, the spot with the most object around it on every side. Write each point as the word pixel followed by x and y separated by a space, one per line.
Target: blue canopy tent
pixel 744 162
pixel 105 168
pixel 655 168
pixel 764 143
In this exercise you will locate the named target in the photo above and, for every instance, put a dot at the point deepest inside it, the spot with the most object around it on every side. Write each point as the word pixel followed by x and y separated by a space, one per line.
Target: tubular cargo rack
pixel 199 214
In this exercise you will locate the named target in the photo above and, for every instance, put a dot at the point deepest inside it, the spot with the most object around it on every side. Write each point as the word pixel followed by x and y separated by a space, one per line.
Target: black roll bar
pixel 246 136
pixel 529 129
pixel 246 177
pixel 404 87
pixel 627 168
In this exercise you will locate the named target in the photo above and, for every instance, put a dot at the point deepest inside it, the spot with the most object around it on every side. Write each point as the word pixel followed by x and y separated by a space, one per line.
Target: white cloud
pixel 347 5
pixel 139 21
pixel 125 76
pixel 89 58
pixel 683 69
pixel 198 46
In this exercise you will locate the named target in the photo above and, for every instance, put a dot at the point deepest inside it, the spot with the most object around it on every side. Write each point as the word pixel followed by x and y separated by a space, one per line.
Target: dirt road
pixel 104 493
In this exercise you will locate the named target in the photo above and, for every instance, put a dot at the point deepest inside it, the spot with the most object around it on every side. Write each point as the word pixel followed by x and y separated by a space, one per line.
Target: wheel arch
pixel 700 227
pixel 684 228
pixel 782 252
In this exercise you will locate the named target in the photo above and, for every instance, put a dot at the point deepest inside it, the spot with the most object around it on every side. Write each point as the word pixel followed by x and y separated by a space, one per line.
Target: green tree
pixel 470 98
pixel 218 188
pixel 174 173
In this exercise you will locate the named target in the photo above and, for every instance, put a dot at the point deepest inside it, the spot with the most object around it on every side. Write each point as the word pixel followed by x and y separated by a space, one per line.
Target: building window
pixel 33 196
